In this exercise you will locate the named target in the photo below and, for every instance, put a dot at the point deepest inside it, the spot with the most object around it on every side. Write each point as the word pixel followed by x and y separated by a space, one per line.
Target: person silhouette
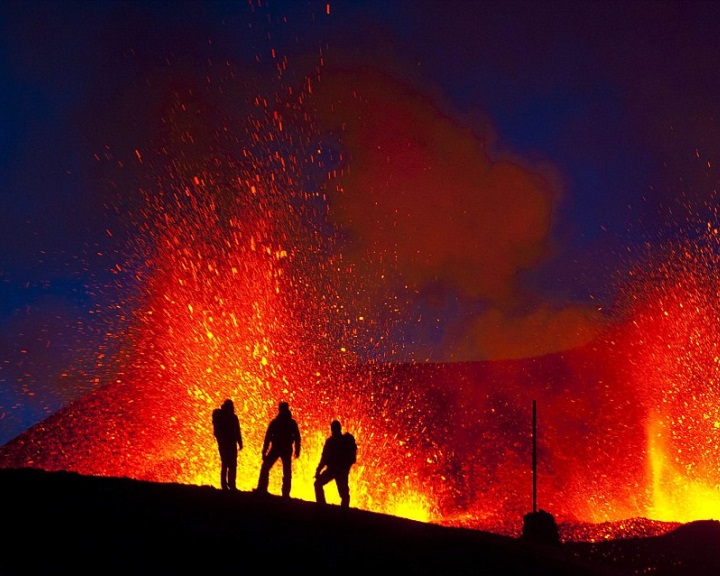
pixel 338 456
pixel 281 437
pixel 226 428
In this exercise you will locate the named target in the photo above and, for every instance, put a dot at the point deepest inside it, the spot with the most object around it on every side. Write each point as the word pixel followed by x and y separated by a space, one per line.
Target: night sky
pixel 507 166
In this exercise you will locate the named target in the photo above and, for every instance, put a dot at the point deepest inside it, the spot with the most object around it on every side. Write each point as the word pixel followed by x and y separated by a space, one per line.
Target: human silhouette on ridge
pixel 338 455
pixel 226 429
pixel 282 438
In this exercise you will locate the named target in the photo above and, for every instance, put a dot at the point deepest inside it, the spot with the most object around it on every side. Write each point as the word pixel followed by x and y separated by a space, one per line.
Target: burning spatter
pixel 252 273
pixel 673 354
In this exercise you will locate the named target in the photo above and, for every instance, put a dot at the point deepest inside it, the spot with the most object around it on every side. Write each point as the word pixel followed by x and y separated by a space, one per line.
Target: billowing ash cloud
pixel 430 212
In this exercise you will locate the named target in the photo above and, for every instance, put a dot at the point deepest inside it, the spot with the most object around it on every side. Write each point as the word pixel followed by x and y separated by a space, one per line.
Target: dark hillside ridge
pixel 101 525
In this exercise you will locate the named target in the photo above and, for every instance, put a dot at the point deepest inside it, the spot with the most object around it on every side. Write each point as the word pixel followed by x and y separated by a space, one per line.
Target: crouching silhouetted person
pixel 226 428
pixel 338 455
pixel 282 438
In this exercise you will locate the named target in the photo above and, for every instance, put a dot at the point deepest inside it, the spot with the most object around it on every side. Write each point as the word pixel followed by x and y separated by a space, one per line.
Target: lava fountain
pixel 237 296
pixel 673 356
pixel 236 288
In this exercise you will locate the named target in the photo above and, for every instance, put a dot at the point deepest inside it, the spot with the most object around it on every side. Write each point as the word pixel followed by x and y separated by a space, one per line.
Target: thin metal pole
pixel 534 458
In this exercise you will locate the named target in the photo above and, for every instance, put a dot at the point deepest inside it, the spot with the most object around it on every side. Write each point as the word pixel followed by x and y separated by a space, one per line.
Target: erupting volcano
pixel 236 285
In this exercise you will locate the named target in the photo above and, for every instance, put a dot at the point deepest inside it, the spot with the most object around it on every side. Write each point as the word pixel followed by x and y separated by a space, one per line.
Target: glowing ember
pixel 238 296
pixel 241 291
pixel 673 362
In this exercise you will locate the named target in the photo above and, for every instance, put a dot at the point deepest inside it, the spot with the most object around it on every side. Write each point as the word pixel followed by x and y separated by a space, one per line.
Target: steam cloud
pixel 425 207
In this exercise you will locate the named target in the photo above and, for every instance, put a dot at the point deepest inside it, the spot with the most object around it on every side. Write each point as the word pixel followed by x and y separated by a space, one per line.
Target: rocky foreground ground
pixel 101 525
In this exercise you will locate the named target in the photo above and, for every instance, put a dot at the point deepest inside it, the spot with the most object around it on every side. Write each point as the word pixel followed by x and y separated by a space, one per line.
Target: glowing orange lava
pixel 241 293
pixel 674 354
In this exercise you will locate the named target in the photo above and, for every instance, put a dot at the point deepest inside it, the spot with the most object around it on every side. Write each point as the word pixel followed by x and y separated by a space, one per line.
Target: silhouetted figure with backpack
pixel 226 428
pixel 338 455
pixel 282 438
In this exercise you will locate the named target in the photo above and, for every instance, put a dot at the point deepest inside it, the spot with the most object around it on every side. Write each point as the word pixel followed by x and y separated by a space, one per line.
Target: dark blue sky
pixel 617 101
